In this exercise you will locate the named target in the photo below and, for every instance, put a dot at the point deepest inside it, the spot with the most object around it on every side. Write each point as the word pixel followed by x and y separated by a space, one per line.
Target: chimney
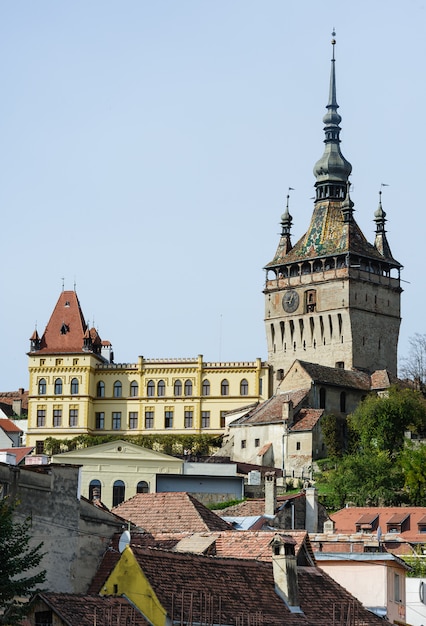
pixel 311 503
pixel 287 412
pixel 270 494
pixel 285 571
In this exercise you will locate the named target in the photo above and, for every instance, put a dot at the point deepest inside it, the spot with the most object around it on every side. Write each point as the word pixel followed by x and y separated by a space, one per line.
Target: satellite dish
pixel 124 540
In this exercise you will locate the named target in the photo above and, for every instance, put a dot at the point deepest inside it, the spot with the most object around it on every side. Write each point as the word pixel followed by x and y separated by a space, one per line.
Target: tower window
pixel 161 388
pixel 74 386
pixel 41 417
pixel 188 388
pixel 224 387
pixel 42 387
pixel 57 417
pixel 177 388
pixel 206 388
pixel 142 487
pixel 100 389
pixel 310 301
pixel 150 389
pixel 117 389
pixel 58 386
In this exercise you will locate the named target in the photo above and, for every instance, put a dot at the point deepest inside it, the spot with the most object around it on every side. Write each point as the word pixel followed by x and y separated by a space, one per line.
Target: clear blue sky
pixel 146 149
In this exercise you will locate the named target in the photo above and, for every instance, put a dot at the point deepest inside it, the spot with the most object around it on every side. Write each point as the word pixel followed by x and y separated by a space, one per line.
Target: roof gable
pixel 112 450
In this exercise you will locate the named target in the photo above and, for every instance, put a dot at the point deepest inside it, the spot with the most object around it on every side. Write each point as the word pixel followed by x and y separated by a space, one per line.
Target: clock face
pixel 290 301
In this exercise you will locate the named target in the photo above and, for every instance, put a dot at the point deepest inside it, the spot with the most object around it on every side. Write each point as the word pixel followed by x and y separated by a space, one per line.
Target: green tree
pixel 364 479
pixel 413 464
pixel 17 558
pixel 379 422
pixel 333 431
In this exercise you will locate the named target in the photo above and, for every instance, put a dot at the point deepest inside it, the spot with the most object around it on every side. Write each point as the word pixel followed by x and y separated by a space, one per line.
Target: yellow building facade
pixel 75 387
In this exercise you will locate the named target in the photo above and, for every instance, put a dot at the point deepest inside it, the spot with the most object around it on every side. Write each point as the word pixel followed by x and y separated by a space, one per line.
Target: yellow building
pixel 75 387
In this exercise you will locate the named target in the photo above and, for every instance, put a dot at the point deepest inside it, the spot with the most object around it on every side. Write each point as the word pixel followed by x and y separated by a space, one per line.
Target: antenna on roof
pixel 63 283
pixel 124 540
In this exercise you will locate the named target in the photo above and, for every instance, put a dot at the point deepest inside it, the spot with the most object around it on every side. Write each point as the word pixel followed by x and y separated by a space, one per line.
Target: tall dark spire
pixel 332 170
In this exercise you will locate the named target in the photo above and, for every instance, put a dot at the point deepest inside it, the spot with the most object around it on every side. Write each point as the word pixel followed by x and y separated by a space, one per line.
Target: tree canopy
pixel 381 466
pixel 380 422
pixel 17 559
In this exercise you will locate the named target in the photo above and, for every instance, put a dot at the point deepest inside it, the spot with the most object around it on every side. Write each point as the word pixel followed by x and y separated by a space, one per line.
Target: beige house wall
pixel 119 460
pixel 372 583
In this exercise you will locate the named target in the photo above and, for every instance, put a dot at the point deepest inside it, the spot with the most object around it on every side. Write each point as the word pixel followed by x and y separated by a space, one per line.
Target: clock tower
pixel 333 298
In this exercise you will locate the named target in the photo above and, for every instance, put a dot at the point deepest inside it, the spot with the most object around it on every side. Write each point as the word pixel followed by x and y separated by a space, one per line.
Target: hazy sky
pixel 146 149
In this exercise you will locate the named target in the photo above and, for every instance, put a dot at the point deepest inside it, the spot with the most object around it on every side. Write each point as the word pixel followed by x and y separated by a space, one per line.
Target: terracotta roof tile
pixel 271 411
pixel 306 419
pixel 86 610
pixel 239 590
pixel 8 426
pixel 169 512
pixel 66 327
pixel 347 519
pixel 20 453
pixel 9 397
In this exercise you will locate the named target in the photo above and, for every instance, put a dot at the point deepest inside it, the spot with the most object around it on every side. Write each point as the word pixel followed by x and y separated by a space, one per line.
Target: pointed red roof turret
pixel 66 328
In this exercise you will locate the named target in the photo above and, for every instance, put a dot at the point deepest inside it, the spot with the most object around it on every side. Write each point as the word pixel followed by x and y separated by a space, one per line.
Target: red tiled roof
pixel 8 426
pixel 20 453
pixel 86 610
pixel 306 419
pixel 347 519
pixel 240 590
pixel 271 411
pixel 9 397
pixel 169 512
pixel 66 327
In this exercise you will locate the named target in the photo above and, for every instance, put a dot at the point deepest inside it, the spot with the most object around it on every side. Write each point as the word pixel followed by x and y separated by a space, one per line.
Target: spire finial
pixel 332 167
pixel 333 41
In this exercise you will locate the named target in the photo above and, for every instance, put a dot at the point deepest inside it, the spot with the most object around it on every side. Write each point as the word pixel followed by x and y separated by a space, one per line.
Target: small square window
pixel 243 443
pixel 256 443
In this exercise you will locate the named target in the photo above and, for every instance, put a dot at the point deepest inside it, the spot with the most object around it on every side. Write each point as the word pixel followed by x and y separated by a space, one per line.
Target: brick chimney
pixel 270 494
pixel 285 570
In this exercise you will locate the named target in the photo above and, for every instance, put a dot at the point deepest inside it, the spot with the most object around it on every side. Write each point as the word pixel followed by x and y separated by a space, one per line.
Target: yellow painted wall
pixel 127 578
pixel 90 370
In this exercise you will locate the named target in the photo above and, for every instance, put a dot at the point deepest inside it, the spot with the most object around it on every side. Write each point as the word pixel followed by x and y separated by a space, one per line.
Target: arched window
pixel 100 389
pixel 224 387
pixel 117 389
pixel 142 487
pixel 177 388
pixel 150 388
pixel 95 490
pixel 188 388
pixel 343 402
pixel 206 388
pixel 244 387
pixel 118 492
pixel 134 389
pixel 74 386
pixel 41 386
pixel 322 398
pixel 161 388
pixel 58 386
